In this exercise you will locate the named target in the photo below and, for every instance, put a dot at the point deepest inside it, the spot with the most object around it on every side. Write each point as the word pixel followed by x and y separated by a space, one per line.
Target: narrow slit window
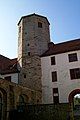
pixel 28 53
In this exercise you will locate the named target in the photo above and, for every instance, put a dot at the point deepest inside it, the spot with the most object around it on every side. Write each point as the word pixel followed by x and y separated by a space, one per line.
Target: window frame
pixel 53 61
pixel 75 73
pixel 55 96
pixel 56 99
pixel 54 76
pixel 39 24
pixel 55 90
pixel 72 57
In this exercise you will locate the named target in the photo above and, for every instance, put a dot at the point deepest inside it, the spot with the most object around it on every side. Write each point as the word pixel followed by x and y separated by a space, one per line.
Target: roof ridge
pixel 68 41
pixel 63 47
pixel 4 57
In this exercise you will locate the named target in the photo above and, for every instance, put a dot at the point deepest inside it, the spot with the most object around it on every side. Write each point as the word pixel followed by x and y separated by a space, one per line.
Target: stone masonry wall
pixel 33 42
pixel 11 93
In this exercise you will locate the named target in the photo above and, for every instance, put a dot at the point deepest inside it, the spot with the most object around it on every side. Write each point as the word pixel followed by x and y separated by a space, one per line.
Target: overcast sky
pixel 63 15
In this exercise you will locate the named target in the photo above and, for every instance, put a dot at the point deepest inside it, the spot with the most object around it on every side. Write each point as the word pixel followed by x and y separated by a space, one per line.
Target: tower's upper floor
pixel 33 35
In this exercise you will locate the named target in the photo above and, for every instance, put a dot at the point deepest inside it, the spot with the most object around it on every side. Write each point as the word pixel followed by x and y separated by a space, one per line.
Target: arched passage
pixel 3 104
pixel 75 107
pixel 72 94
pixel 23 99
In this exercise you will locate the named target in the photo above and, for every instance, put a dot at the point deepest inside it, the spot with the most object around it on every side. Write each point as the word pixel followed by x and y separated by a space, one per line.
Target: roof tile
pixel 8 65
pixel 62 47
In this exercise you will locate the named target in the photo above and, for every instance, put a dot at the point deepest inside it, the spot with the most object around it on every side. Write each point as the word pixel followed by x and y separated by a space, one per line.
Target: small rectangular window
pixel 55 90
pixel 75 73
pixel 24 75
pixel 54 76
pixel 19 29
pixel 8 78
pixel 72 57
pixel 39 24
pixel 29 53
pixel 53 60
pixel 55 96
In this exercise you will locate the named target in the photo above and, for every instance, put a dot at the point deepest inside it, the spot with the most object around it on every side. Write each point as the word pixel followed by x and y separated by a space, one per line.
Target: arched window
pixel 3 104
pixel 23 99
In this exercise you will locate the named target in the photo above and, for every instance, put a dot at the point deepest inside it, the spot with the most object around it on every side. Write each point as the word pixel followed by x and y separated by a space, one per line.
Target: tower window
pixel 24 75
pixel 29 53
pixel 28 44
pixel 39 24
pixel 19 29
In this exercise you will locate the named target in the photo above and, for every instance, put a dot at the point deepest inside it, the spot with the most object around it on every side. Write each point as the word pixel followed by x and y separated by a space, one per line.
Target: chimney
pixel 50 45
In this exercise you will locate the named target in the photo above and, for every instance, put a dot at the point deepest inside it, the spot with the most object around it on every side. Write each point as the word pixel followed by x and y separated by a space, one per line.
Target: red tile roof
pixel 63 47
pixel 8 65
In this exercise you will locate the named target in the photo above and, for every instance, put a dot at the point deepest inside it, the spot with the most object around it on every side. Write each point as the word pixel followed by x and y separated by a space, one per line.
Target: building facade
pixel 61 72
pixel 8 69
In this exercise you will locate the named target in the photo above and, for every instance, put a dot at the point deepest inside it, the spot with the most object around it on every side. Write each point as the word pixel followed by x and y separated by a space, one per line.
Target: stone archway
pixel 75 111
pixel 23 99
pixel 3 100
pixel 1 105
pixel 72 94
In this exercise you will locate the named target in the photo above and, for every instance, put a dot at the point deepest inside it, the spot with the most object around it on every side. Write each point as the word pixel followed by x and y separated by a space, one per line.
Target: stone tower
pixel 33 39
